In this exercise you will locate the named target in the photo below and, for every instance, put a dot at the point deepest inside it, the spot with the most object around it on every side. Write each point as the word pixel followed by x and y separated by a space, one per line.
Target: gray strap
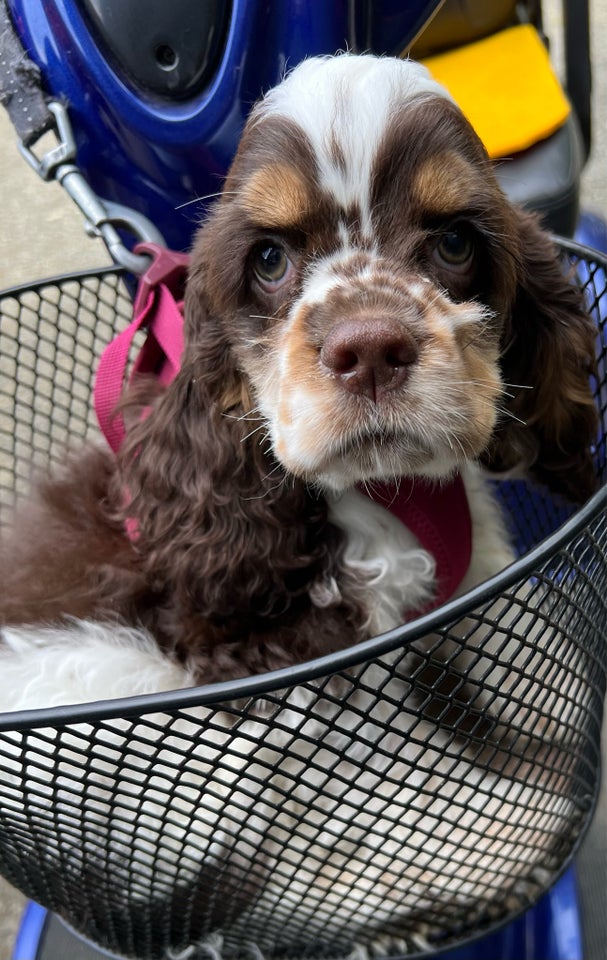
pixel 20 85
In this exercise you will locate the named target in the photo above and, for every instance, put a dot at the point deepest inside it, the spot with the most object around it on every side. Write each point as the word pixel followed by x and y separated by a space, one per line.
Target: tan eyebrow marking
pixel 276 196
pixel 444 183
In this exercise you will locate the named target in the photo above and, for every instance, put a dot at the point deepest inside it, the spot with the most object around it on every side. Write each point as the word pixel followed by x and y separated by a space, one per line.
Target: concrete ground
pixel 41 234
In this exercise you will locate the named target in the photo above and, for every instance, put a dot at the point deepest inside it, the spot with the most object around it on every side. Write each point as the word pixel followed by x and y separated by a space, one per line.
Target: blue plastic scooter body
pixel 162 156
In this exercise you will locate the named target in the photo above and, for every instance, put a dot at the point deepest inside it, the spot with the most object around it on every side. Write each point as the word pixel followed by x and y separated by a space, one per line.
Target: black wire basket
pixel 375 802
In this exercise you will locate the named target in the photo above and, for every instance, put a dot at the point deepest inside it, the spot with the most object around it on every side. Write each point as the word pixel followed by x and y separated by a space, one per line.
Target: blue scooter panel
pixel 158 155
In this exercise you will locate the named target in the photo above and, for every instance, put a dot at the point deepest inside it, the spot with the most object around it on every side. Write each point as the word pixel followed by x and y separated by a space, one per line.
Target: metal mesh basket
pixel 393 799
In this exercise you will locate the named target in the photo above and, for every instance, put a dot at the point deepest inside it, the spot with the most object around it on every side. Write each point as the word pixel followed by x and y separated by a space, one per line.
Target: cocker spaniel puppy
pixel 364 305
pixel 371 329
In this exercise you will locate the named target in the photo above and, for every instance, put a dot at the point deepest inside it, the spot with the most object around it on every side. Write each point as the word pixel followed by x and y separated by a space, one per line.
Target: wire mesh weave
pixel 390 800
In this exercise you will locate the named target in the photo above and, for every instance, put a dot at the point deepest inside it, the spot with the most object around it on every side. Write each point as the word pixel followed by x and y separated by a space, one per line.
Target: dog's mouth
pixel 373 454
pixel 381 443
pixel 341 441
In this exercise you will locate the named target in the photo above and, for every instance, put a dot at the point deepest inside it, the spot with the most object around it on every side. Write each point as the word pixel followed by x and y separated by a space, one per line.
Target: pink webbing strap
pixel 439 515
pixel 157 309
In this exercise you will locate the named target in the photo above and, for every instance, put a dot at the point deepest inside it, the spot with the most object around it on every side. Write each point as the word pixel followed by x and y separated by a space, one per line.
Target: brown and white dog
pixel 364 305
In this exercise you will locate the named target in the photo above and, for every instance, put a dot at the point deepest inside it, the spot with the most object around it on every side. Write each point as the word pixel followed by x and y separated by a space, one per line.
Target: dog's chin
pixel 385 460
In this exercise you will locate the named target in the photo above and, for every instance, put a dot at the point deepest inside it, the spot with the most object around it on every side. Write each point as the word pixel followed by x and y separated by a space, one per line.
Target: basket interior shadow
pixel 395 798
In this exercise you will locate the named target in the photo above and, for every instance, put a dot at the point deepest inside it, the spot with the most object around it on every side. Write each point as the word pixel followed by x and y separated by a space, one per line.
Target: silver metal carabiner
pixel 64 152
pixel 102 217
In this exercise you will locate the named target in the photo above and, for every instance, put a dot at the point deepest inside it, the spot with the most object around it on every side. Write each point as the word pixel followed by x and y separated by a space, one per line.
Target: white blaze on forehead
pixel 345 105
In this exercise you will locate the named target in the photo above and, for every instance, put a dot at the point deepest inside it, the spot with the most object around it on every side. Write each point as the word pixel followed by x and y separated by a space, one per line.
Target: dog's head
pixel 385 310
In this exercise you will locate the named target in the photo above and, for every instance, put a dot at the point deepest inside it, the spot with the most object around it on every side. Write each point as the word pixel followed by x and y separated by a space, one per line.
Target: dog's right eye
pixel 271 266
pixel 455 247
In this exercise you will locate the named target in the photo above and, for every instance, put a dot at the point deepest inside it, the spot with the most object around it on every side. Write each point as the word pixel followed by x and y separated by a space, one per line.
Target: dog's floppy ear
pixel 195 483
pixel 548 358
pixel 231 543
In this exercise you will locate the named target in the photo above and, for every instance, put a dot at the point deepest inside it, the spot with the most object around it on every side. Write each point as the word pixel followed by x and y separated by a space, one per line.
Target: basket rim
pixel 253 686
pixel 57 279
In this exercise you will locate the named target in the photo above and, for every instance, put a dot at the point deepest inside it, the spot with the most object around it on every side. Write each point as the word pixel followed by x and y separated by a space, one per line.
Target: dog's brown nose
pixel 369 356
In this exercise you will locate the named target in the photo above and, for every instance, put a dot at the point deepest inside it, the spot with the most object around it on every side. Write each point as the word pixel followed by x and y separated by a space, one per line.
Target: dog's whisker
pixel 266 493
pixel 395 495
pixel 243 418
pixel 208 196
pixel 511 415
pixel 461 446
pixel 275 469
pixel 478 382
pixel 247 415
pixel 253 432
pixel 261 316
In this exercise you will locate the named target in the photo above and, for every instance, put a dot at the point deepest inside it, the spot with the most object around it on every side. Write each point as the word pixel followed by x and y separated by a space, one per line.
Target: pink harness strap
pixel 157 309
pixel 436 513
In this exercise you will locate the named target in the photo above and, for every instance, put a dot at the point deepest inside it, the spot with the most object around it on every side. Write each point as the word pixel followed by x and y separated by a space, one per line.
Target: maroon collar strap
pixel 438 514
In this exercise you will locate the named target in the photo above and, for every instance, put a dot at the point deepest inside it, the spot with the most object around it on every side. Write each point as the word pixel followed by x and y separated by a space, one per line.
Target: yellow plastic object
pixel 506 87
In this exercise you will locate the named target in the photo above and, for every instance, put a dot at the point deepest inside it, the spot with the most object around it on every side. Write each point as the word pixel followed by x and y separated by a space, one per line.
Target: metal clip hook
pixel 102 217
pixel 63 152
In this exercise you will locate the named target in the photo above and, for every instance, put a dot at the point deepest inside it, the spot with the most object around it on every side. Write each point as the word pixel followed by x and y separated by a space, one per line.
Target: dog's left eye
pixel 456 247
pixel 271 266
